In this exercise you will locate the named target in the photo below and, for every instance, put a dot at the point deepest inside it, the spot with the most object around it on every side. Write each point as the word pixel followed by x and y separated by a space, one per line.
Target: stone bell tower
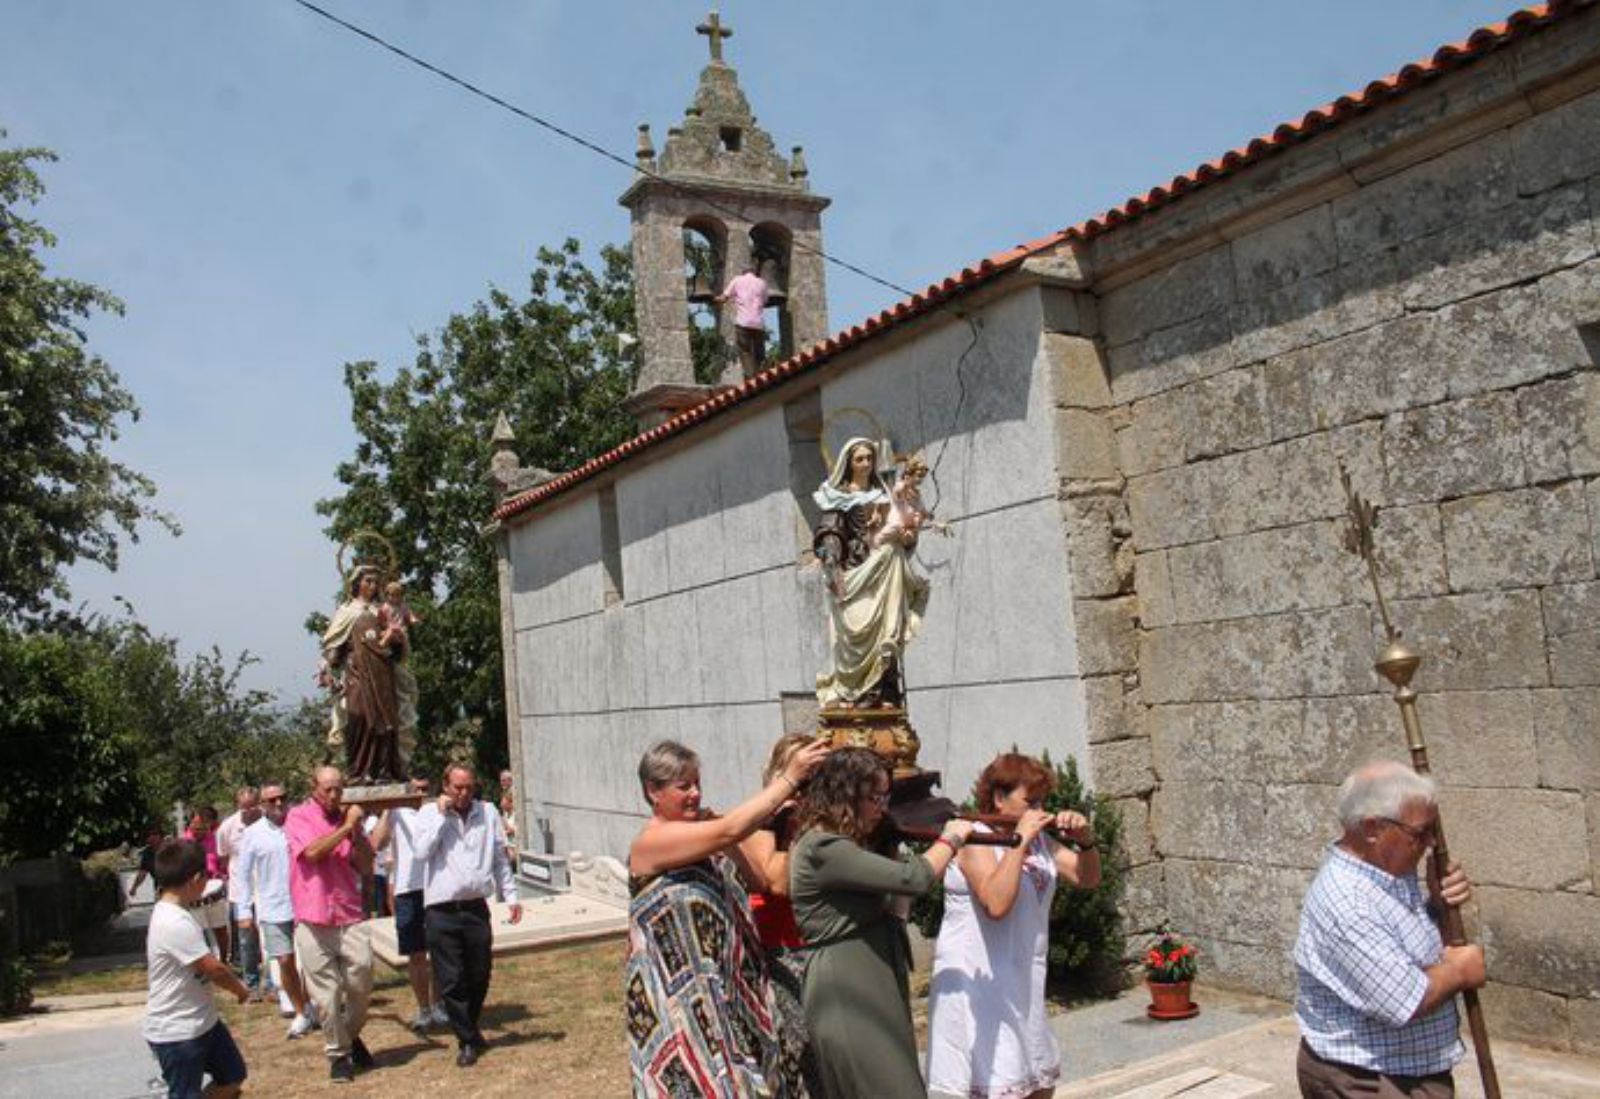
pixel 719 196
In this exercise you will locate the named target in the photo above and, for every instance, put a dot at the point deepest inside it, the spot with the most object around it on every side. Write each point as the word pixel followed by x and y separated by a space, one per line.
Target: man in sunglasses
pixel 259 877
pixel 1377 985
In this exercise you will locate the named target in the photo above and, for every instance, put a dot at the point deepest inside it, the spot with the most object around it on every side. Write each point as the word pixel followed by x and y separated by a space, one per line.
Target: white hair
pixel 1382 789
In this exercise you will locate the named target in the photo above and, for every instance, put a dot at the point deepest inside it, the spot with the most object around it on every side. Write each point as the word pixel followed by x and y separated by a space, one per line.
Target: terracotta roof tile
pixel 1445 58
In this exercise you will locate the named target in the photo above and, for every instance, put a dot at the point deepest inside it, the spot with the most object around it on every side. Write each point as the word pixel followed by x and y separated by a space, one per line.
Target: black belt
pixel 476 904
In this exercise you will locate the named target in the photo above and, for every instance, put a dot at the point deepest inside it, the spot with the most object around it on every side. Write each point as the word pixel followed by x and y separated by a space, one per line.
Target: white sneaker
pixel 421 1021
pixel 285 1005
pixel 301 1026
pixel 441 1017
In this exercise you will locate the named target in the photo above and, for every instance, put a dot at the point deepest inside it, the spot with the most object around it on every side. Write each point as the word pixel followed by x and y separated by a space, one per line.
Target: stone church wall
pixel 1417 295
pixel 720 612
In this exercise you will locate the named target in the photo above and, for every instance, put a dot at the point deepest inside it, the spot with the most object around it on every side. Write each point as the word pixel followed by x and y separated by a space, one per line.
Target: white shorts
pixel 212 912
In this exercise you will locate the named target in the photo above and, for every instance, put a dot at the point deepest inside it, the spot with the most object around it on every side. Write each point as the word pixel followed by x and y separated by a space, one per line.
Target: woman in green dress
pixel 857 991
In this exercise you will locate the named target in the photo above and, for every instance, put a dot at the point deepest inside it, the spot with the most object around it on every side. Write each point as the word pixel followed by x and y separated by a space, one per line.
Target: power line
pixel 576 139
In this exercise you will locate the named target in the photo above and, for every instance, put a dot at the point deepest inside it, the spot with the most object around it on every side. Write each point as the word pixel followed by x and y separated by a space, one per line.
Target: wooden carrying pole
pixel 1398 663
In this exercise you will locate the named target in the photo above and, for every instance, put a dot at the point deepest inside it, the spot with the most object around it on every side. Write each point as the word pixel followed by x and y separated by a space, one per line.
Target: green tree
pixel 104 726
pixel 552 362
pixel 62 497
pixel 70 757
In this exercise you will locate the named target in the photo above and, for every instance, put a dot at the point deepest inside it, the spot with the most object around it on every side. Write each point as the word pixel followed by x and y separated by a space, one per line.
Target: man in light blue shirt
pixel 463 845
pixel 1377 985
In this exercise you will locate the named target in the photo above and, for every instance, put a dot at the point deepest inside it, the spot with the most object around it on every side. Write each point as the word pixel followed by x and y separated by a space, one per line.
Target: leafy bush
pixel 16 986
pixel 97 898
pixel 1086 937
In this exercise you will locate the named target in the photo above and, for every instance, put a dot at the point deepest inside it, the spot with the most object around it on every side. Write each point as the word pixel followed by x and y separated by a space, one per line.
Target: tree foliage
pixel 103 727
pixel 62 497
pixel 553 364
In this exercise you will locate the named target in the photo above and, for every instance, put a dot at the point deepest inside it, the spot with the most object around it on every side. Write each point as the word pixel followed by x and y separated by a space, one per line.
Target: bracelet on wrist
pixel 941 839
pixel 950 841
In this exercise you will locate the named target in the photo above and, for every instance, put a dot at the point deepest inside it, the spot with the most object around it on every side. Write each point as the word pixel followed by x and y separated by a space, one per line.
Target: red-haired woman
pixel 988 1035
pixel 857 995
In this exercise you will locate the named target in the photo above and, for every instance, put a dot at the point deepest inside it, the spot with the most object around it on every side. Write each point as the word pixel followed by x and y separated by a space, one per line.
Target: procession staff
pixel 1377 983
pixel 1398 663
pixel 463 844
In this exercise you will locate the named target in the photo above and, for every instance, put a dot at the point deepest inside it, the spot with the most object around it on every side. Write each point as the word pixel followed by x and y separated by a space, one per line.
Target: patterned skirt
pixel 701 1023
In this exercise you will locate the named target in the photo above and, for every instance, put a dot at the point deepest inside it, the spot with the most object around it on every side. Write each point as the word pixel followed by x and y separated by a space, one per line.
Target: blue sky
pixel 272 197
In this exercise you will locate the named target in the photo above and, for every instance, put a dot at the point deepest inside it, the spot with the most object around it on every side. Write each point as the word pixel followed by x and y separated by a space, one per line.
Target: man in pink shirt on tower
pixel 328 855
pixel 748 292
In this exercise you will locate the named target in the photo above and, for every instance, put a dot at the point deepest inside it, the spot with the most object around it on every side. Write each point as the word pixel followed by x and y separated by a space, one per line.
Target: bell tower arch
pixel 719 197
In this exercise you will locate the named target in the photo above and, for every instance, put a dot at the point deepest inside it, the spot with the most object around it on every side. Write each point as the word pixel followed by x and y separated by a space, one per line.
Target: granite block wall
pixel 1428 317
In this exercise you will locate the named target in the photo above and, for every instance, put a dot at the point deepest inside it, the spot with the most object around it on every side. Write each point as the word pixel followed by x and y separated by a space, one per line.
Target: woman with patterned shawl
pixel 700 1010
pixel 877 600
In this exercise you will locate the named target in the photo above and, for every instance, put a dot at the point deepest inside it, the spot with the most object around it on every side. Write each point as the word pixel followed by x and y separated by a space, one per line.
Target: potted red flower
pixel 1169 967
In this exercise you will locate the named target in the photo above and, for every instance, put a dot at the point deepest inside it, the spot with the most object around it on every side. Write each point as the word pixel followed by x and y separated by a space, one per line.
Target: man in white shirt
pixel 406 877
pixel 463 844
pixel 258 879
pixel 246 811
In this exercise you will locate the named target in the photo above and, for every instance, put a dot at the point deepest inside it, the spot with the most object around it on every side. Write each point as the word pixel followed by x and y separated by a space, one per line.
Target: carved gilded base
pixel 886 730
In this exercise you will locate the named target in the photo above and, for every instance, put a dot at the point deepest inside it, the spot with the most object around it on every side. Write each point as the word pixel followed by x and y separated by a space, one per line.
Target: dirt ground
pixel 554 1023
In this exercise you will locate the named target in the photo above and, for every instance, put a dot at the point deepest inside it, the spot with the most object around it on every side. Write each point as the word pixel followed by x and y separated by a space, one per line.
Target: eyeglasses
pixel 1424 835
pixel 272 801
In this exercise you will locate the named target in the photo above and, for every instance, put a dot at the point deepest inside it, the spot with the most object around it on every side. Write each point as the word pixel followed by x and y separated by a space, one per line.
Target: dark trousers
pixel 460 945
pixel 1320 1079
pixel 752 346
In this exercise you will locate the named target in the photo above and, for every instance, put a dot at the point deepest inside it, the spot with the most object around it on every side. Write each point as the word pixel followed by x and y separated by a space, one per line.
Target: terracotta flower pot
pixel 1169 1001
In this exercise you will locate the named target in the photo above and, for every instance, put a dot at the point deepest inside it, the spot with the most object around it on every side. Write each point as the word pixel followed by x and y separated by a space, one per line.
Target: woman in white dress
pixel 988 1034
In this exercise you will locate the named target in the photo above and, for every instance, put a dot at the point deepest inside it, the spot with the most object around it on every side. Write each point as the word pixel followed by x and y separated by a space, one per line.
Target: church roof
pixel 1446 58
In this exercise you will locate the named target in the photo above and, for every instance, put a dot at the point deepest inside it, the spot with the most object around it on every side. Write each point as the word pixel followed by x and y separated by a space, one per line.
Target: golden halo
pixel 822 436
pixel 391 562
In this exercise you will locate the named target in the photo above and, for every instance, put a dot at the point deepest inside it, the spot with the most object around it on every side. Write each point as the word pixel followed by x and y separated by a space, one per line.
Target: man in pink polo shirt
pixel 748 292
pixel 328 855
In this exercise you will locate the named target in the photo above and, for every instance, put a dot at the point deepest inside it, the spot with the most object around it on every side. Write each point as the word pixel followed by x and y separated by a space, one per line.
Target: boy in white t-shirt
pixel 187 1036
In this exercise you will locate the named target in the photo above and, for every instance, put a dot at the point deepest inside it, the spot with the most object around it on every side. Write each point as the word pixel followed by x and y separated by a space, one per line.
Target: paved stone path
pixel 1245 1046
pixel 96 1053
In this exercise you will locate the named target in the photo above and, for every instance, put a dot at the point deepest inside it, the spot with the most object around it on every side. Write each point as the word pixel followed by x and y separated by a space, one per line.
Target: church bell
pixel 700 290
pixel 772 275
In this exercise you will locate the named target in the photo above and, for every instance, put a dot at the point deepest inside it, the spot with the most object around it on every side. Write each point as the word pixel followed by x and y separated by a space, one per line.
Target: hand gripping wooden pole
pixel 1398 663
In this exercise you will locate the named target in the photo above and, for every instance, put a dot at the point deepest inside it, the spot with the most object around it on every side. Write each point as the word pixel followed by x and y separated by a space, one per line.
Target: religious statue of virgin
pixel 864 541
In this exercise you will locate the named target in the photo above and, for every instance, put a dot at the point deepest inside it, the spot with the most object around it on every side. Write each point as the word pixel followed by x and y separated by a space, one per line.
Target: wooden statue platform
pixel 389 795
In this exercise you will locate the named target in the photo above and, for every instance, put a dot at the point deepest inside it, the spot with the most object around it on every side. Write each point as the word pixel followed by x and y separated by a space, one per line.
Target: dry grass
pixel 554 1022
pixel 59 980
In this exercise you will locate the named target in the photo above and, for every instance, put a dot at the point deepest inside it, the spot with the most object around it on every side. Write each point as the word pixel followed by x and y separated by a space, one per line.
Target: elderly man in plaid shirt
pixel 1376 1003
